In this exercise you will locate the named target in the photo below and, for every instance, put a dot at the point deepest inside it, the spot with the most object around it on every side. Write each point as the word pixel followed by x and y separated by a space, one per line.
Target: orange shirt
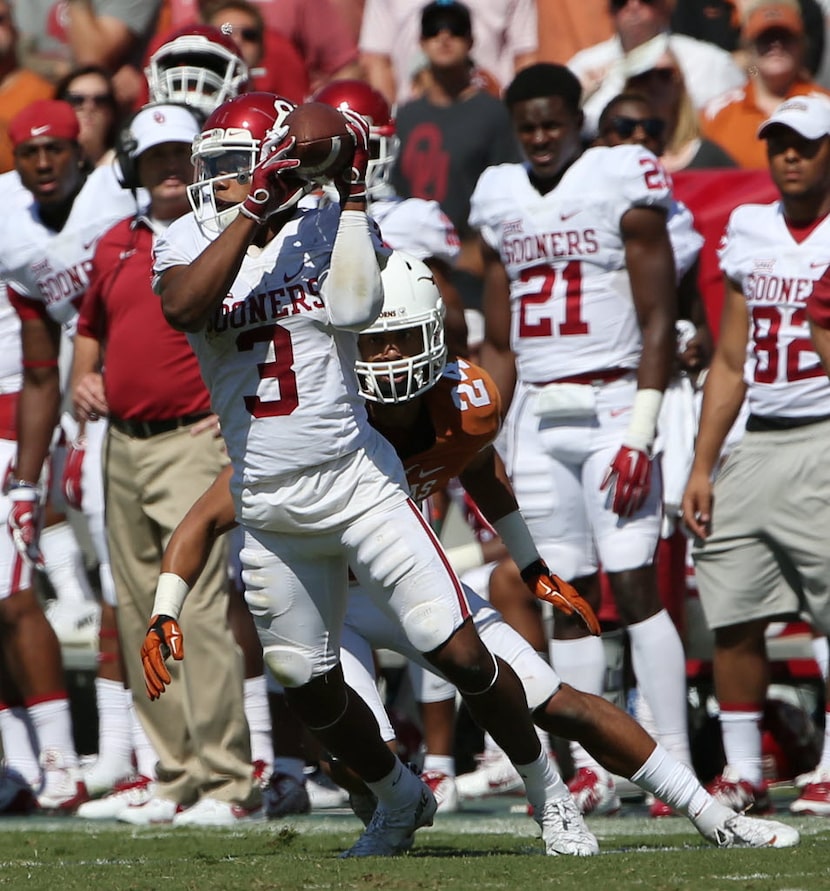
pixel 733 121
pixel 464 410
pixel 568 26
pixel 19 89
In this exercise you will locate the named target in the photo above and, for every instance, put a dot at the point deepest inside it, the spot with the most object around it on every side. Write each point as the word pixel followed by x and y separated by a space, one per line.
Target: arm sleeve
pixel 352 290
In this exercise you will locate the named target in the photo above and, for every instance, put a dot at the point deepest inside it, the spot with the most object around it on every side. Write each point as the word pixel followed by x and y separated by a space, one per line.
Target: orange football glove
pixel 164 639
pixel 559 593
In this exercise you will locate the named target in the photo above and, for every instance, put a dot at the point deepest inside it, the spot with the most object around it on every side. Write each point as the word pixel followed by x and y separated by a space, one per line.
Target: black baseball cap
pixel 448 14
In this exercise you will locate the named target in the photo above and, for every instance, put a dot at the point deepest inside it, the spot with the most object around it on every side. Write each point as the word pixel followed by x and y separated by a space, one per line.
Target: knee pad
pixel 291 667
pixel 429 625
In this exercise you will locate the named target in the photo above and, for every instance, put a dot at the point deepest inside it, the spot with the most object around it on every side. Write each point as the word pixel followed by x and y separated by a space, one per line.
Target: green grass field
pixel 483 849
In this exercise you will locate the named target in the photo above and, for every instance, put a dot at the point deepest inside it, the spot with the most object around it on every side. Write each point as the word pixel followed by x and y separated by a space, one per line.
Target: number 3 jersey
pixel 280 375
pixel 565 258
pixel 779 270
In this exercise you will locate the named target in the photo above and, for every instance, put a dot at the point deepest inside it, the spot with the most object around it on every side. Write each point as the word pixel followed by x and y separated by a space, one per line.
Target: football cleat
pixel 152 812
pixel 659 809
pixel 102 776
pixel 594 792
pixel 564 830
pixel 213 812
pixel 444 789
pixel 392 832
pixel 364 805
pixel 741 831
pixel 740 795
pixel 285 796
pixel 494 775
pixel 134 791
pixel 323 792
pixel 62 789
pixel 814 799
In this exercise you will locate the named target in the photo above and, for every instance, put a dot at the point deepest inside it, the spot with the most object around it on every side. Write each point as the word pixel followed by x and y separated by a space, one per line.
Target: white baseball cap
pixel 157 124
pixel 807 115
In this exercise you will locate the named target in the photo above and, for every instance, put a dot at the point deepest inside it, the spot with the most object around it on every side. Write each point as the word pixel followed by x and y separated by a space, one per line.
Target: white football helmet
pixel 411 300
pixel 198 66
pixel 229 147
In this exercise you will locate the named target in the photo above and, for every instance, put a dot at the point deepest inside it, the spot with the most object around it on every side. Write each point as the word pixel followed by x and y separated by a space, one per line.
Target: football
pixel 324 145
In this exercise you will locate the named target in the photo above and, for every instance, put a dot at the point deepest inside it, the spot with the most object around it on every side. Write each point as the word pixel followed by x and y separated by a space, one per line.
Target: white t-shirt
pixel 707 71
pixel 565 258
pixel 777 275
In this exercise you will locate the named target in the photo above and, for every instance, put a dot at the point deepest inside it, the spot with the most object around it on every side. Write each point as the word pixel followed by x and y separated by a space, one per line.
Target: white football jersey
pixel 418 227
pixel 53 267
pixel 776 275
pixel 686 241
pixel 281 377
pixel 565 258
pixel 13 197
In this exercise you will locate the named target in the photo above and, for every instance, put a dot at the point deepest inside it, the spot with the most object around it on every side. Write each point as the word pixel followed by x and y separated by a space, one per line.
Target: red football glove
pixel 351 184
pixel 164 639
pixel 270 193
pixel 631 473
pixel 564 597
pixel 25 519
pixel 71 480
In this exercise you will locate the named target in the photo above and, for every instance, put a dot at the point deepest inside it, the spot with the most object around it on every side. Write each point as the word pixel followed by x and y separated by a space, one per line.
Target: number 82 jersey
pixel 565 258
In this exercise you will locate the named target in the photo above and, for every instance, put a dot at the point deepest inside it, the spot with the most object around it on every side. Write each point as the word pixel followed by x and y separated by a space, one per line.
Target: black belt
pixel 761 424
pixel 146 429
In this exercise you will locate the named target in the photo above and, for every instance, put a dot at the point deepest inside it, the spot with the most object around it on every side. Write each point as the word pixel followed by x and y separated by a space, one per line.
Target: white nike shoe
pixel 323 792
pixel 392 832
pixel 213 812
pixel 444 789
pixel 102 776
pixel 564 830
pixel 135 791
pixel 741 831
pixel 63 789
pixel 494 775
pixel 150 813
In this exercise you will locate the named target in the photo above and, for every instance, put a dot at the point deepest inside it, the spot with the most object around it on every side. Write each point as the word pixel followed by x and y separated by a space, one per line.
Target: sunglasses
pixel 434 27
pixel 251 35
pixel 624 127
pixel 617 5
pixel 99 100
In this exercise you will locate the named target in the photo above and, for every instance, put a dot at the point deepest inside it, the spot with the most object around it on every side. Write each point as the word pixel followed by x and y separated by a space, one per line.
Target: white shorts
pixel 557 468
pixel 296 577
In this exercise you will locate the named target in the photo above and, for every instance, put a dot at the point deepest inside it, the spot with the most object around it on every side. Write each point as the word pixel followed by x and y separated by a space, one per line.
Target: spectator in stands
pixel 568 26
pixel 89 91
pixel 113 34
pixel 773 32
pixel 451 134
pixel 316 28
pixel 18 86
pixel 504 32
pixel 274 63
pixel 708 70
pixel 654 73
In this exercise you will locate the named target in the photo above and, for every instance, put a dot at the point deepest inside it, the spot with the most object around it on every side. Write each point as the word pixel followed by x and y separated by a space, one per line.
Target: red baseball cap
pixel 46 117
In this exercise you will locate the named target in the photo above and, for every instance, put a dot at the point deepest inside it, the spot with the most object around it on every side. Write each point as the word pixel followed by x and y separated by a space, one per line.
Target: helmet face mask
pixel 383 141
pixel 228 149
pixel 198 66
pixel 412 306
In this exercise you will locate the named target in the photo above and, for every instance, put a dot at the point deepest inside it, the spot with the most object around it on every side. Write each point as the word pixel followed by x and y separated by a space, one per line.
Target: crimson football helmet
pixel 230 146
pixel 383 141
pixel 198 66
pixel 411 300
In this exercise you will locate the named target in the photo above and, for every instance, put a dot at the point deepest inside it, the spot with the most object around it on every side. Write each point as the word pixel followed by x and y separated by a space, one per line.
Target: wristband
pixel 516 537
pixel 171 591
pixel 463 558
pixel 642 427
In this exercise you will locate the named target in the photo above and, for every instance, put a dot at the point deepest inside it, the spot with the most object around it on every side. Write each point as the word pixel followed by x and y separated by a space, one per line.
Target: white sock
pixel 442 763
pixel 396 788
pixel 115 739
pixel 53 725
pixel 741 733
pixel 258 716
pixel 676 784
pixel 146 758
pixel 64 564
pixel 659 665
pixel 541 781
pixel 580 663
pixel 821 653
pixel 20 746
